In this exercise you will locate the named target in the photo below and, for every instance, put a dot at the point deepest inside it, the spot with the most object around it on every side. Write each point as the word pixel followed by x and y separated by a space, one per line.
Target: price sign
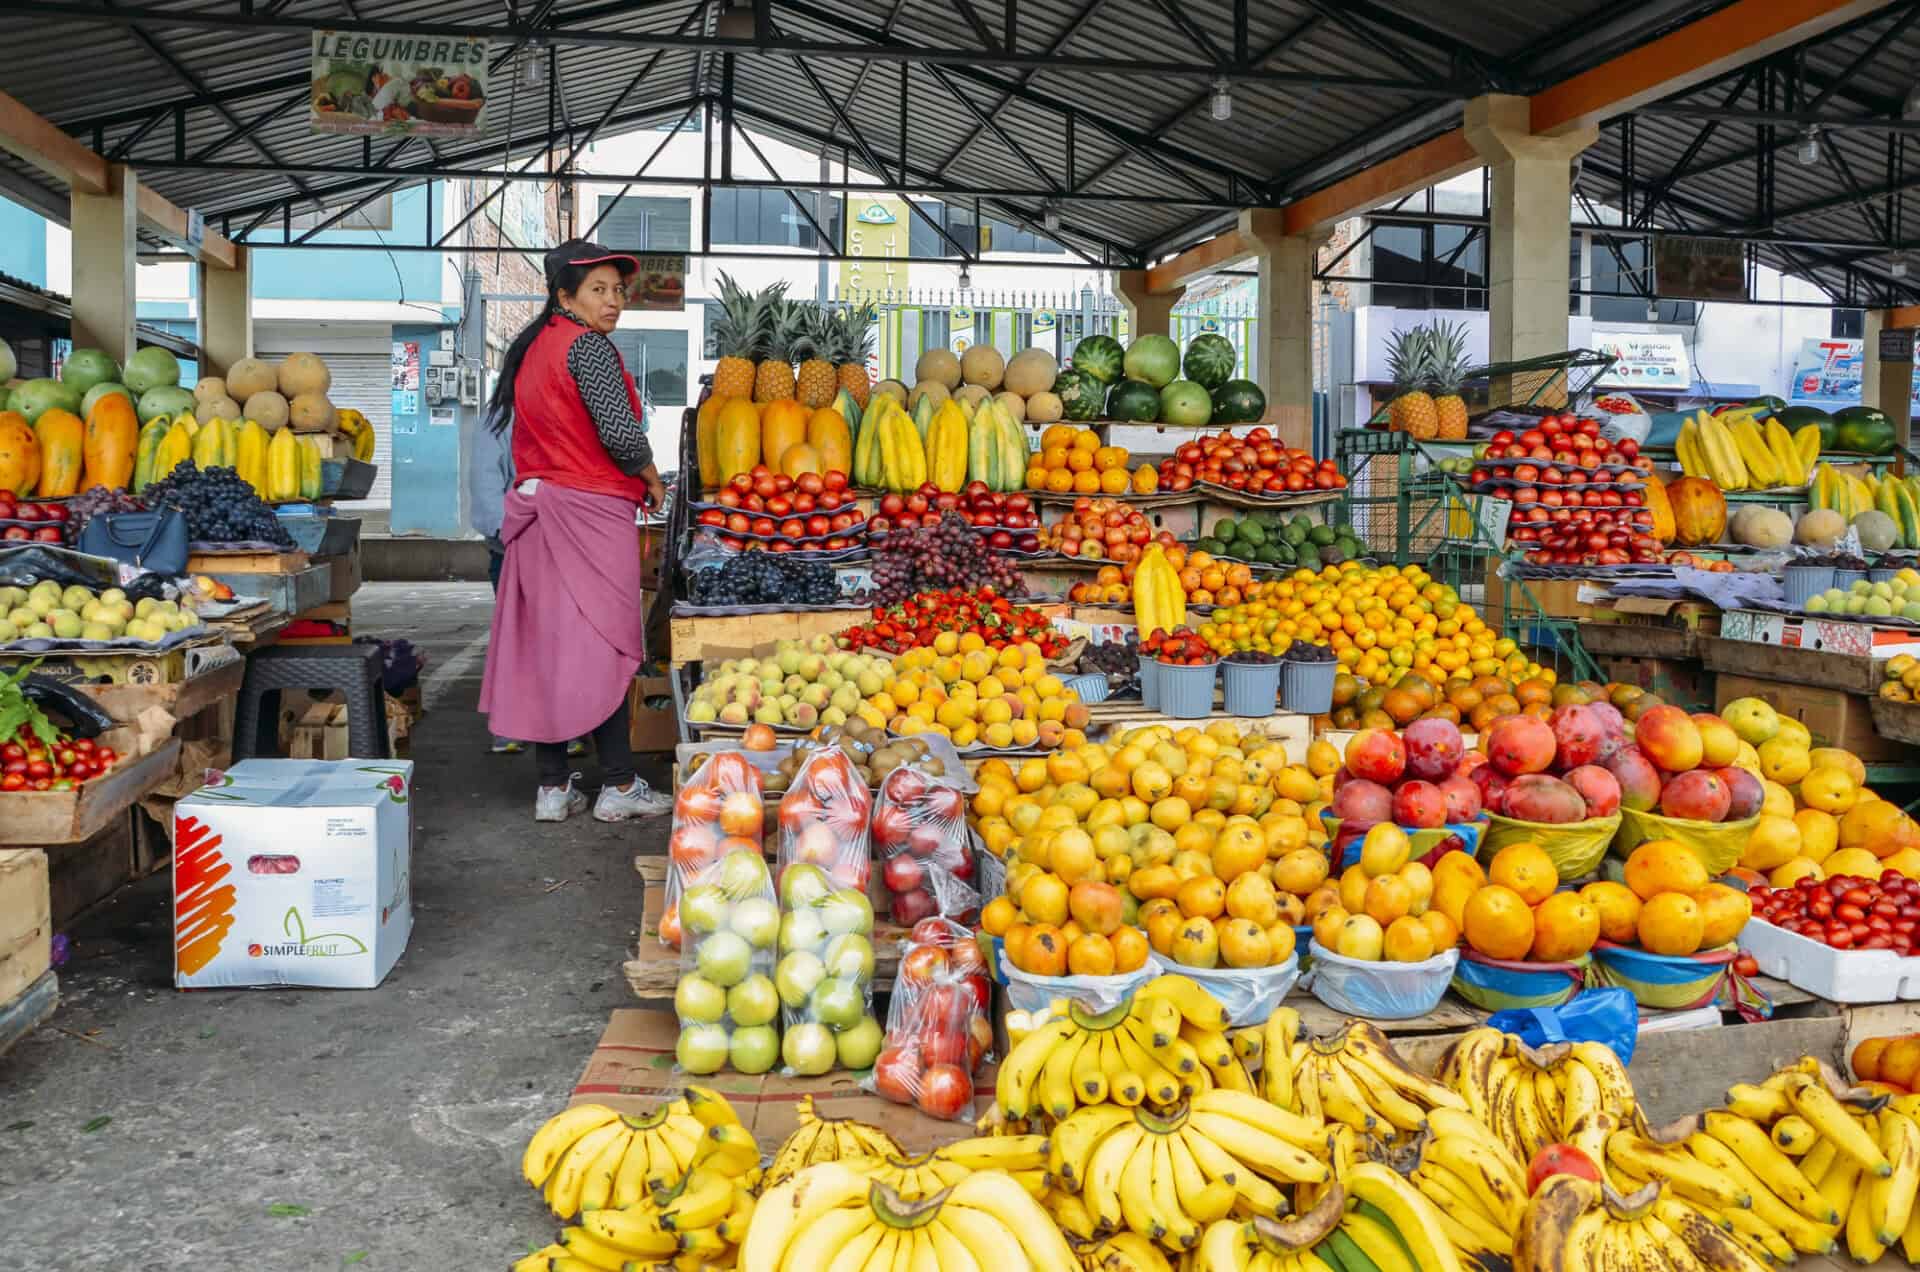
pixel 1896 344
pixel 1493 515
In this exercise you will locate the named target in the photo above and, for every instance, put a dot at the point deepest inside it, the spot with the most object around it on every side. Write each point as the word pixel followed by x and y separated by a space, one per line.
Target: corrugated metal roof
pixel 1279 143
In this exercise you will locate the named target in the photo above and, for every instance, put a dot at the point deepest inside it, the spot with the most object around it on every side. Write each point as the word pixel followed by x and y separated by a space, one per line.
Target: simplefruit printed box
pixel 293 872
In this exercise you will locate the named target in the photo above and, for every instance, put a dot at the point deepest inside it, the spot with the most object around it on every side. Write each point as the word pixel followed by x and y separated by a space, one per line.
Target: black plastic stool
pixel 353 670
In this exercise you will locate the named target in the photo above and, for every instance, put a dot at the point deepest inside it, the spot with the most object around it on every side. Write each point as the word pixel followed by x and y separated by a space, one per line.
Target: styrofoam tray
pixel 1839 976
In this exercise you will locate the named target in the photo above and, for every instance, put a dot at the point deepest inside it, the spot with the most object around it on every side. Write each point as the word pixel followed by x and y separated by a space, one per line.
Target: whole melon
pixel 1759 527
pixel 99 391
pixel 250 376
pixel 973 394
pixel 1030 371
pixel 1044 407
pixel 165 399
pixel 311 413
pixel 1210 360
pixel 304 373
pixel 1155 359
pixel 1100 357
pixel 1820 528
pixel 33 397
pixel 85 368
pixel 265 408
pixel 1133 401
pixel 1081 396
pixel 983 365
pixel 893 389
pixel 150 368
pixel 938 365
pixel 209 388
pixel 1876 530
pixel 1013 404
pixel 1239 402
pixel 1186 403
pixel 932 390
pixel 8 363
pixel 220 408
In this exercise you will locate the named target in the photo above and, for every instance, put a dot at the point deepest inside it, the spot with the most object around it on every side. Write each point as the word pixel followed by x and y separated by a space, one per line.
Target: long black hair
pixel 500 407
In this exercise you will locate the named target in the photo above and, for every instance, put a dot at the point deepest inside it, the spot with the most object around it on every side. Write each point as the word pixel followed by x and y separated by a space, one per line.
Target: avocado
pixel 1225 529
pixel 1209 545
pixel 1294 533
pixel 1269 554
pixel 1320 536
pixel 1252 532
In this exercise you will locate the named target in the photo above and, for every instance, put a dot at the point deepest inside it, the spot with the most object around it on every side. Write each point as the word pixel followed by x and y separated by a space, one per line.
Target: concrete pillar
pixel 1528 231
pixel 1148 313
pixel 103 265
pixel 1282 356
pixel 1886 383
pixel 226 312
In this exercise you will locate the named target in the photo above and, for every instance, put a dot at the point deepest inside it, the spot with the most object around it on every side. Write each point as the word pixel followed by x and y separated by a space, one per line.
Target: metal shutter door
pixel 364 381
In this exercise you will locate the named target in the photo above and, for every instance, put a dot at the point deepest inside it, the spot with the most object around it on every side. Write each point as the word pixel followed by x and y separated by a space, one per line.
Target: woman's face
pixel 602 295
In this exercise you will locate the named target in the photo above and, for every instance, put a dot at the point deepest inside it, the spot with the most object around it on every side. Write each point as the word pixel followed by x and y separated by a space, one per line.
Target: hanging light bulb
pixel 533 63
pixel 1222 101
pixel 1050 216
pixel 966 279
pixel 1897 267
pixel 1808 152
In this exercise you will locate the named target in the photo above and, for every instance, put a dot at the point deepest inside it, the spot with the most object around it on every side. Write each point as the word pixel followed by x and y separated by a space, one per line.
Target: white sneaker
pixel 624 803
pixel 557 803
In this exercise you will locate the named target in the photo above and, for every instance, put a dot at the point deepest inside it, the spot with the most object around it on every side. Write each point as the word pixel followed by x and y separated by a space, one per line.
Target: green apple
pixel 809 1049
pixel 702 1049
pixel 724 958
pixel 753 1001
pixel 698 1001
pixel 837 1004
pixel 754 1049
pixel 702 909
pixel 796 976
pixel 860 1045
pixel 849 957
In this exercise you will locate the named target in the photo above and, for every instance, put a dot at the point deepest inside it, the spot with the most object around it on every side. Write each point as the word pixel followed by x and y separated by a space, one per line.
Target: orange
pixel 998 916
pixel 1091 955
pixel 1129 950
pixel 1664 865
pixel 1618 908
pixel 1670 924
pixel 1444 931
pixel 1388 898
pixel 1866 1058
pixel 1498 923
pixel 1900 1062
pixel 1044 952
pixel 1565 926
pixel 1525 868
pixel 1723 912
pixel 1407 940
pixel 1204 897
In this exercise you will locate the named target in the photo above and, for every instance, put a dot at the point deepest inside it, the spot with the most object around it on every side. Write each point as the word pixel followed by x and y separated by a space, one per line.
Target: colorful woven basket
pixel 1717 844
pixel 1575 847
pixel 1429 844
pixel 1498 984
pixel 1661 981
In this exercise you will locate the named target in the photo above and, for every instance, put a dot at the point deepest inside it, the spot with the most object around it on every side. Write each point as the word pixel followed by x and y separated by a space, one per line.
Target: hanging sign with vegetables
pixel 427 85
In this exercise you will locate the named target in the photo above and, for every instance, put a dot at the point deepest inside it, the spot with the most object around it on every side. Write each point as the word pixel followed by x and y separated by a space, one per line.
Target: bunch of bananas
pixel 827 1139
pixel 1370 1219
pixel 1478 1187
pixel 1166 1174
pixel 834 1216
pixel 1353 1078
pixel 582 1153
pixel 631 1219
pixel 1574 1225
pixel 1573 1093
pixel 914 1178
pixel 1171 1041
pixel 357 429
pixel 1735 452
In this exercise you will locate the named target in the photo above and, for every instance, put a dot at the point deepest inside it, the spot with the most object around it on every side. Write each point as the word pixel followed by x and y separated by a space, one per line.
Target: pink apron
pixel 567 627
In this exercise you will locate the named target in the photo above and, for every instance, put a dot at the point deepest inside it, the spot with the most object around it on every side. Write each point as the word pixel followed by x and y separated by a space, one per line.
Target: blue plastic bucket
pixel 1250 689
pixel 1149 683
pixel 1186 693
pixel 1495 984
pixel 1307 688
pixel 1804 582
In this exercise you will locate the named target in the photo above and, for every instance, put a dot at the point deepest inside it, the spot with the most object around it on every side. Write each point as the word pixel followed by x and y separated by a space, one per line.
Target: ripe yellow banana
pixel 1196 1005
pixel 1757 1103
pixel 1688 1176
pixel 1893 1195
pixel 1812 1101
pixel 1763 467
pixel 1768 1164
pixel 556 1136
pixel 1260 1196
pixel 1020 1072
pixel 1260 1149
pixel 1806 1235
pixel 1411 1215
pixel 1484 1172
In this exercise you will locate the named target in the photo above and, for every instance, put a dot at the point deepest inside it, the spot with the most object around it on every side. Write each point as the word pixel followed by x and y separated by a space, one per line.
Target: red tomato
pixel 923 964
pixel 1747 965
pixel 945 1091
pixel 1559 1159
pixel 896 1073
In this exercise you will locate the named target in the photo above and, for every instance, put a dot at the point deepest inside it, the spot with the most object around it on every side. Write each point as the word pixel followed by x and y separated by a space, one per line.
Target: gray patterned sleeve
pixel 595 367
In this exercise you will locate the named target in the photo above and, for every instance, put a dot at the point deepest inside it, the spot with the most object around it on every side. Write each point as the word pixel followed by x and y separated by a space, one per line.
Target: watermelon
pixel 85 368
pixel 1769 401
pixel 1155 359
pixel 1099 357
pixel 33 397
pixel 1081 396
pixel 1864 429
pixel 1185 402
pixel 1210 360
pixel 1798 417
pixel 1134 401
pixel 1239 402
pixel 150 368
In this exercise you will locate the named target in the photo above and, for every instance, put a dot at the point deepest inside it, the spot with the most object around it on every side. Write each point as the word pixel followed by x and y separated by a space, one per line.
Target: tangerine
pixel 1723 912
pixel 1565 926
pixel 1498 923
pixel 1670 924
pixel 1527 869
pixel 1664 865
pixel 1618 908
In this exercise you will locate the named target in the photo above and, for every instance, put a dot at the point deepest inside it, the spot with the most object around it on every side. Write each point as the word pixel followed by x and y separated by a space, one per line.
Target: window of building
pixel 1849 324
pixel 377 215
pixel 710 315
pixel 1004 236
pixel 1626 273
pixel 645 224
pixel 991 235
pixel 1429 266
pixel 768 218
pixel 657 361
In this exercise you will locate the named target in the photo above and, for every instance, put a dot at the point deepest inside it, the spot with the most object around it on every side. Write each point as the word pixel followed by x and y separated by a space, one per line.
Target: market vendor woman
pixel 567 627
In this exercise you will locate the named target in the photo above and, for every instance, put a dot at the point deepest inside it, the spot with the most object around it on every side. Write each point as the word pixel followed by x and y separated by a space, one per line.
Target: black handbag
pixel 155 541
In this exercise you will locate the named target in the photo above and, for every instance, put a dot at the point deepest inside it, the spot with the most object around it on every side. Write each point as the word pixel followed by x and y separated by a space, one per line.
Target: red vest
pixel 553 436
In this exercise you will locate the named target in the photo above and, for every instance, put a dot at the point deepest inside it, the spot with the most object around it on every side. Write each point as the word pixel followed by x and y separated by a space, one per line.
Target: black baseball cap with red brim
pixel 579 252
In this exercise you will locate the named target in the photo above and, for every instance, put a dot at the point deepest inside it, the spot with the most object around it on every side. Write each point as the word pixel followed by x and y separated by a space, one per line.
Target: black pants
pixel 611 741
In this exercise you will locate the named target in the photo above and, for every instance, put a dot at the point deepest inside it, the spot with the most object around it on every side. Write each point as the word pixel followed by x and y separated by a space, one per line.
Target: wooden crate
pixel 1899 721
pixel 30 818
pixel 1851 673
pixel 81 875
pixel 262 562
pixel 26 920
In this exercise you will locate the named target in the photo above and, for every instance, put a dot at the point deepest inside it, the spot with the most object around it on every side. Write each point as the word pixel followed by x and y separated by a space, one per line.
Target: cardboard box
pixel 1680 681
pixel 26 920
pixel 1832 716
pixel 652 729
pixel 293 872
pixel 632 1070
pixel 183 662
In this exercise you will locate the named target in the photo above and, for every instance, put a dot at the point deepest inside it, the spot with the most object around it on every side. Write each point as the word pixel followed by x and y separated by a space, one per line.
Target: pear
pixel 145 606
pixel 46 587
pixel 42 604
pixel 770 713
pixel 66 624
pixel 12 598
pixel 112 596
pixel 701 712
pixel 96 631
pixel 38 631
pixel 23 617
pixel 75 598
pixel 8 631
pixel 833 715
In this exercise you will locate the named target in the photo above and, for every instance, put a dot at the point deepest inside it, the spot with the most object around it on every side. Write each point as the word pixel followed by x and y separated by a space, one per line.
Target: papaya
pixel 113 434
pixel 867 465
pixel 982 450
pixel 707 440
pixel 737 437
pixel 63 441
pixel 175 449
pixel 782 424
pixel 1013 450
pixel 151 435
pixel 831 439
pixel 800 458
pixel 1660 506
pixel 19 454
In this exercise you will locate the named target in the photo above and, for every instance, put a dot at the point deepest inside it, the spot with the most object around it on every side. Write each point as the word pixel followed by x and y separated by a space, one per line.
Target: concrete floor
pixel 393 1118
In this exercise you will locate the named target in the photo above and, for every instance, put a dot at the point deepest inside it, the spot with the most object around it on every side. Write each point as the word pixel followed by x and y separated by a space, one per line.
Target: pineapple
pixel 855 333
pixel 783 324
pixel 1409 362
pixel 738 335
pixel 1448 364
pixel 817 382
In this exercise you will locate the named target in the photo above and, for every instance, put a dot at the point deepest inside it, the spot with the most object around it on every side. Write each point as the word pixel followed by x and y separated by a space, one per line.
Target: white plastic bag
pixel 1248 993
pixel 1380 991
pixel 1027 992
